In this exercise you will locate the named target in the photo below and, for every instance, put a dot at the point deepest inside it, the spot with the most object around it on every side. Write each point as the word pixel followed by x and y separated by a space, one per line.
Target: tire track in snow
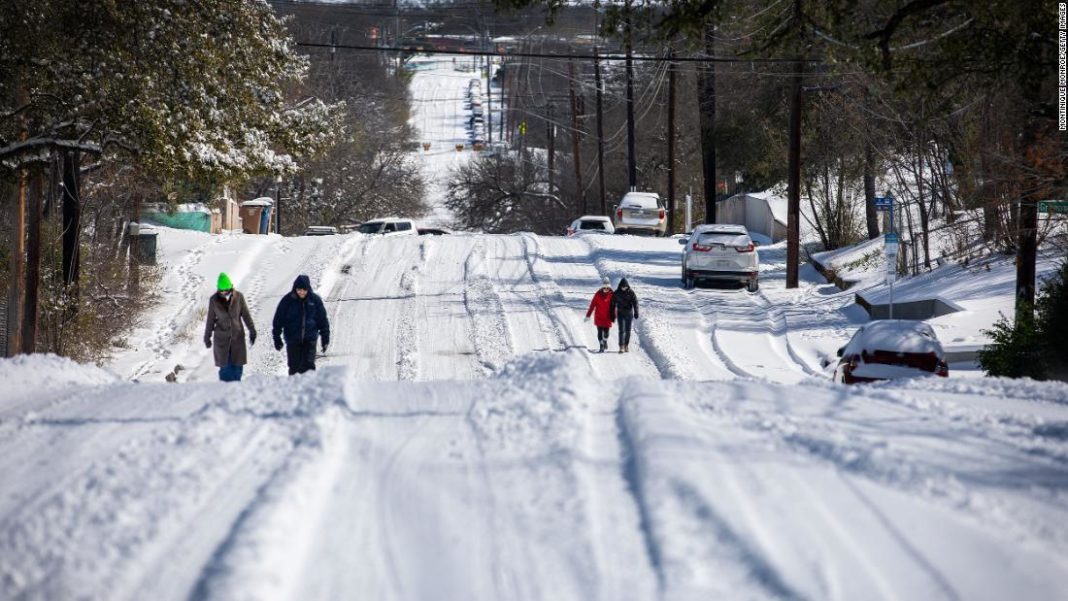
pixel 651 338
pixel 547 291
pixel 633 472
pixel 490 332
pixel 751 333
pixel 408 345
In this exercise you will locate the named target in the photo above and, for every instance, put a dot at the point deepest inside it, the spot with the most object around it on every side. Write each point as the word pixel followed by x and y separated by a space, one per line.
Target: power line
pixel 585 57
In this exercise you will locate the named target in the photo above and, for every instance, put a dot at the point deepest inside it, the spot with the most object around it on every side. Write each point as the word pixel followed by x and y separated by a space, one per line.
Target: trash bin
pixel 147 243
pixel 255 215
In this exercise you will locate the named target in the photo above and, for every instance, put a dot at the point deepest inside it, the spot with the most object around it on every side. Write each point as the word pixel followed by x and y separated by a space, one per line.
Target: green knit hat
pixel 224 282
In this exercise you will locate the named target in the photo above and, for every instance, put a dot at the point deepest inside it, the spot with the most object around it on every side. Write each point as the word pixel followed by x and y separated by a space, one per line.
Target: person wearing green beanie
pixel 224 282
pixel 224 332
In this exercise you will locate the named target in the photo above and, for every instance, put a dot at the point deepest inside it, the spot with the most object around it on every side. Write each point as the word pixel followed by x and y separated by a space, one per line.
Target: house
pixel 760 212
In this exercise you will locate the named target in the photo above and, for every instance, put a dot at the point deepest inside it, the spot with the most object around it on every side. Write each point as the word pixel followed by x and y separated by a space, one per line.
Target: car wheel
pixel 689 282
pixel 752 286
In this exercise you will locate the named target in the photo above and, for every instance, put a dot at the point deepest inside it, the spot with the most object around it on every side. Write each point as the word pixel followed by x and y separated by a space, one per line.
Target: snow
pixel 439 86
pixel 460 440
pixel 542 481
pixel 896 335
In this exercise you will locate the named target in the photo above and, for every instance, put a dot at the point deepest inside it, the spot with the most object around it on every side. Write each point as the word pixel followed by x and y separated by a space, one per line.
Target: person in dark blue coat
pixel 301 321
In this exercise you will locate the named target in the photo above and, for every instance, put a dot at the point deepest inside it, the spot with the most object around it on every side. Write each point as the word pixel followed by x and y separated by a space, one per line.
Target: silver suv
pixel 641 212
pixel 720 252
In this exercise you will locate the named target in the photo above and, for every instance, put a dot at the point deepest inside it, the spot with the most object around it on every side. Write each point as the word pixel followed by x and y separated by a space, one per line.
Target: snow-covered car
pixel 591 223
pixel 889 349
pixel 388 226
pixel 641 212
pixel 720 252
pixel 320 230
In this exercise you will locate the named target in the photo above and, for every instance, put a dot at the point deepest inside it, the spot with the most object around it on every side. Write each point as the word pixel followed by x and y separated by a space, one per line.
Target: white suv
pixel 389 226
pixel 720 252
pixel 641 212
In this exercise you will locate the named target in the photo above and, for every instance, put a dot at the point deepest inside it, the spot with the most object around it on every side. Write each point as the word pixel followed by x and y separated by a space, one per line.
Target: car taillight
pixel 701 249
pixel 943 369
pixel 663 214
pixel 619 213
pixel 744 249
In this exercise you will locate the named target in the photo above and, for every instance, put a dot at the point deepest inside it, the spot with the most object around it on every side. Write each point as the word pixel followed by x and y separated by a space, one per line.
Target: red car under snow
pixel 891 349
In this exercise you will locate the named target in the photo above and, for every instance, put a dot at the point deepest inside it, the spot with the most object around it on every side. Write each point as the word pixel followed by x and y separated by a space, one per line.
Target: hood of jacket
pixel 302 281
pixel 622 284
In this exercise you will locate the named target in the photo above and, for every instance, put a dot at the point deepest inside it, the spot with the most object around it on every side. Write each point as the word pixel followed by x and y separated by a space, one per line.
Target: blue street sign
pixel 883 203
pixel 890 238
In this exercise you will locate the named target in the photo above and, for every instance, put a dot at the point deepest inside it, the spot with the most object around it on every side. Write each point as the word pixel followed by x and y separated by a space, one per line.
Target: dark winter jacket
pixel 601 308
pixel 300 320
pixel 624 301
pixel 224 325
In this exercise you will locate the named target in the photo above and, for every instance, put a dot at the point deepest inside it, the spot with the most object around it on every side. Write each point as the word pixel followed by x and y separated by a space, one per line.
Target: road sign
pixel 1053 206
pixel 884 203
pixel 890 238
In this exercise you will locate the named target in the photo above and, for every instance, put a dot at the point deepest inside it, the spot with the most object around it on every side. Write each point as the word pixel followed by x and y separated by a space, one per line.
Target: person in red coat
pixel 601 309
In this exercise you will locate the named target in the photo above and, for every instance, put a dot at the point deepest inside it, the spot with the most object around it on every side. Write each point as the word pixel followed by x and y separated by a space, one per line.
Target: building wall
pixel 753 213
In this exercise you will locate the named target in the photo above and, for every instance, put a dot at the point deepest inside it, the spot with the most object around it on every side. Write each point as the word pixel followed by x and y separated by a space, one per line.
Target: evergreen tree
pixel 189 89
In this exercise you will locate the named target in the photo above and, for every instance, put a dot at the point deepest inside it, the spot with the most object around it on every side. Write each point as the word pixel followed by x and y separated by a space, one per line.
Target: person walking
pixel 301 321
pixel 224 332
pixel 601 309
pixel 625 310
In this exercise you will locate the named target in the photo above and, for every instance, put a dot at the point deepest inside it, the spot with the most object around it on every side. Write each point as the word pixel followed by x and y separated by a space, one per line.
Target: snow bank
pixel 27 375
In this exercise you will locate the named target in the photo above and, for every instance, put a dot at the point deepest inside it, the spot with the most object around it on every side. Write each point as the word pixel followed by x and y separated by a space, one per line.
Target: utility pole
pixel 489 93
pixel 72 216
pixel 600 130
pixel 33 266
pixel 707 107
pixel 576 137
pixel 671 148
pixel 551 131
pixel 632 169
pixel 500 123
pixel 16 294
pixel 793 200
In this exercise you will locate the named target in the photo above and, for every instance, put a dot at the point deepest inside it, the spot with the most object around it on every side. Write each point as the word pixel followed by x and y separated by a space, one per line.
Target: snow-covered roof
pixel 263 201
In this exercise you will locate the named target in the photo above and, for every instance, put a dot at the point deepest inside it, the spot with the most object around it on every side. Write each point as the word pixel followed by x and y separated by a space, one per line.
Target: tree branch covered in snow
pixel 185 89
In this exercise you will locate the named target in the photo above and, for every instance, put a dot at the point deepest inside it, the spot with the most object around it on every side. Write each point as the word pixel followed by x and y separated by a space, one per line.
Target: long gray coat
pixel 224 322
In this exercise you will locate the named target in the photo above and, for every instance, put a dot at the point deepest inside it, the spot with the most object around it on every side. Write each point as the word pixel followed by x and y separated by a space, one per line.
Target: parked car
pixel 320 230
pixel 591 223
pixel 389 226
pixel 432 231
pixel 720 252
pixel 890 349
pixel 641 212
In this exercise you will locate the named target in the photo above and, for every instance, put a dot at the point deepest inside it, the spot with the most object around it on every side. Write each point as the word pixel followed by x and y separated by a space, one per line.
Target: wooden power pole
pixel 576 138
pixel 793 200
pixel 707 107
pixel 600 131
pixel 671 148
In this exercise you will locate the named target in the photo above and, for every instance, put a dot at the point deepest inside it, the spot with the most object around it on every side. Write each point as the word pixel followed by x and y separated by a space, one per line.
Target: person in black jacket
pixel 625 310
pixel 301 320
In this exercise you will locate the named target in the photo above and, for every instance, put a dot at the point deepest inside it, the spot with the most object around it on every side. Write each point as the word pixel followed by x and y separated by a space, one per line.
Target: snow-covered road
pixel 461 442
